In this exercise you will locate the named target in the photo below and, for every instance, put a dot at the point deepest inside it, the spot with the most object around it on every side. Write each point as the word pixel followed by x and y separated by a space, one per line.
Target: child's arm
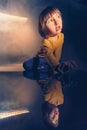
pixel 54 94
pixel 53 53
pixel 49 54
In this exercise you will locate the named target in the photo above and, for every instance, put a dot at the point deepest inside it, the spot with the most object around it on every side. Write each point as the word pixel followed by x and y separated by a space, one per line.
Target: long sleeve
pixel 54 94
pixel 49 54
pixel 53 50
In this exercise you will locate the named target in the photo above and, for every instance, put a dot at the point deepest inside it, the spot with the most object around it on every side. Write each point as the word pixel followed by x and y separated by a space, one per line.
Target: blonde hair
pixel 45 14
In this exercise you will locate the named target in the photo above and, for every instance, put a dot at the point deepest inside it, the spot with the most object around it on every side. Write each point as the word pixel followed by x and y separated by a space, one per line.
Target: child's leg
pixel 31 63
pixel 36 63
pixel 43 66
pixel 28 64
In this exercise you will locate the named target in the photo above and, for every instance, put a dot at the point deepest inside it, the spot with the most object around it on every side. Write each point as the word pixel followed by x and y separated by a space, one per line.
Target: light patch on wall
pixel 17 36
pixel 12 113
pixel 6 20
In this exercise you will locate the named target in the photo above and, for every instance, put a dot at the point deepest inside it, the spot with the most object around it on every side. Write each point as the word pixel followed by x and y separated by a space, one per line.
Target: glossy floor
pixel 22 91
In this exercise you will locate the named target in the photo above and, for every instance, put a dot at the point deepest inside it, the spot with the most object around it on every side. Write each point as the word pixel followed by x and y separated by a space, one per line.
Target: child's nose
pixel 56 22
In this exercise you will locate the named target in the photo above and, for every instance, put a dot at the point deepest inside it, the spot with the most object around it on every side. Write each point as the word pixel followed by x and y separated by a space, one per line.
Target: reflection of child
pixel 53 97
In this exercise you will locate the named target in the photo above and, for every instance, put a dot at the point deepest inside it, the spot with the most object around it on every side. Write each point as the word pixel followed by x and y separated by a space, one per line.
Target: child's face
pixel 54 116
pixel 54 24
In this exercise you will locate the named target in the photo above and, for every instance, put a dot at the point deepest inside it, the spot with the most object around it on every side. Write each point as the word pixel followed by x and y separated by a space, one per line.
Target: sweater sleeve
pixel 54 93
pixel 49 54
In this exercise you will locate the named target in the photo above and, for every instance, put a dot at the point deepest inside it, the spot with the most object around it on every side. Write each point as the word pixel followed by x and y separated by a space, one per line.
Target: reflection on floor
pixel 23 92
pixel 11 67
pixel 10 113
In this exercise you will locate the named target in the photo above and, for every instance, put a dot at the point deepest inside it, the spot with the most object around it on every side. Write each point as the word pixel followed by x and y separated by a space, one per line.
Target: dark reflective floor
pixel 20 90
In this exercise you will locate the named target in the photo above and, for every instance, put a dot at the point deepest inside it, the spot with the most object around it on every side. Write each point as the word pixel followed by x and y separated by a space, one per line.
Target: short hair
pixel 46 109
pixel 44 15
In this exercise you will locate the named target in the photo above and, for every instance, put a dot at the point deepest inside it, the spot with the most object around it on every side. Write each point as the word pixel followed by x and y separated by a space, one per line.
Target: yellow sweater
pixel 54 94
pixel 51 50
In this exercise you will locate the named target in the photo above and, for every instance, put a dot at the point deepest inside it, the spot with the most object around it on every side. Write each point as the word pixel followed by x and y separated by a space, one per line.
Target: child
pixel 50 27
pixel 54 98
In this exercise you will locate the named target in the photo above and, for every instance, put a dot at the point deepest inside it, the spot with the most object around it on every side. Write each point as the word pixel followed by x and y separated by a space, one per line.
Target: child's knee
pixel 27 65
pixel 24 65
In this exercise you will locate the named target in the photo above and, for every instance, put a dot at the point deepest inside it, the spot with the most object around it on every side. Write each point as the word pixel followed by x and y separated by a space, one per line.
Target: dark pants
pixel 38 63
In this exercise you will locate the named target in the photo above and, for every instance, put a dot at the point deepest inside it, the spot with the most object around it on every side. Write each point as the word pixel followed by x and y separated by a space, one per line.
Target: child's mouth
pixel 58 28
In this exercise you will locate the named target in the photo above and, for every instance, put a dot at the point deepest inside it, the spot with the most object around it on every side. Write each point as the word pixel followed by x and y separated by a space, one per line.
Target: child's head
pixel 50 114
pixel 50 22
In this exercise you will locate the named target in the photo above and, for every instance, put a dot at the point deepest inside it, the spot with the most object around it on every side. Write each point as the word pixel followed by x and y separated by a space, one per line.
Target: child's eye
pixel 49 20
pixel 58 16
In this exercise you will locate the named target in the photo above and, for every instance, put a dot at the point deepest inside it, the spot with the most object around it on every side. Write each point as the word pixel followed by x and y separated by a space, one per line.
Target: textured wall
pixel 19 37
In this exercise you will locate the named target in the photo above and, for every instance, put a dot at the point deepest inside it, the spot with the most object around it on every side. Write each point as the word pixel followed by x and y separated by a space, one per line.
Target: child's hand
pixel 66 67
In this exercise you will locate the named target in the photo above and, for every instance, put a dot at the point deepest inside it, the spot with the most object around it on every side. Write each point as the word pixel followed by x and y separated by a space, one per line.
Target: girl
pixel 50 27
